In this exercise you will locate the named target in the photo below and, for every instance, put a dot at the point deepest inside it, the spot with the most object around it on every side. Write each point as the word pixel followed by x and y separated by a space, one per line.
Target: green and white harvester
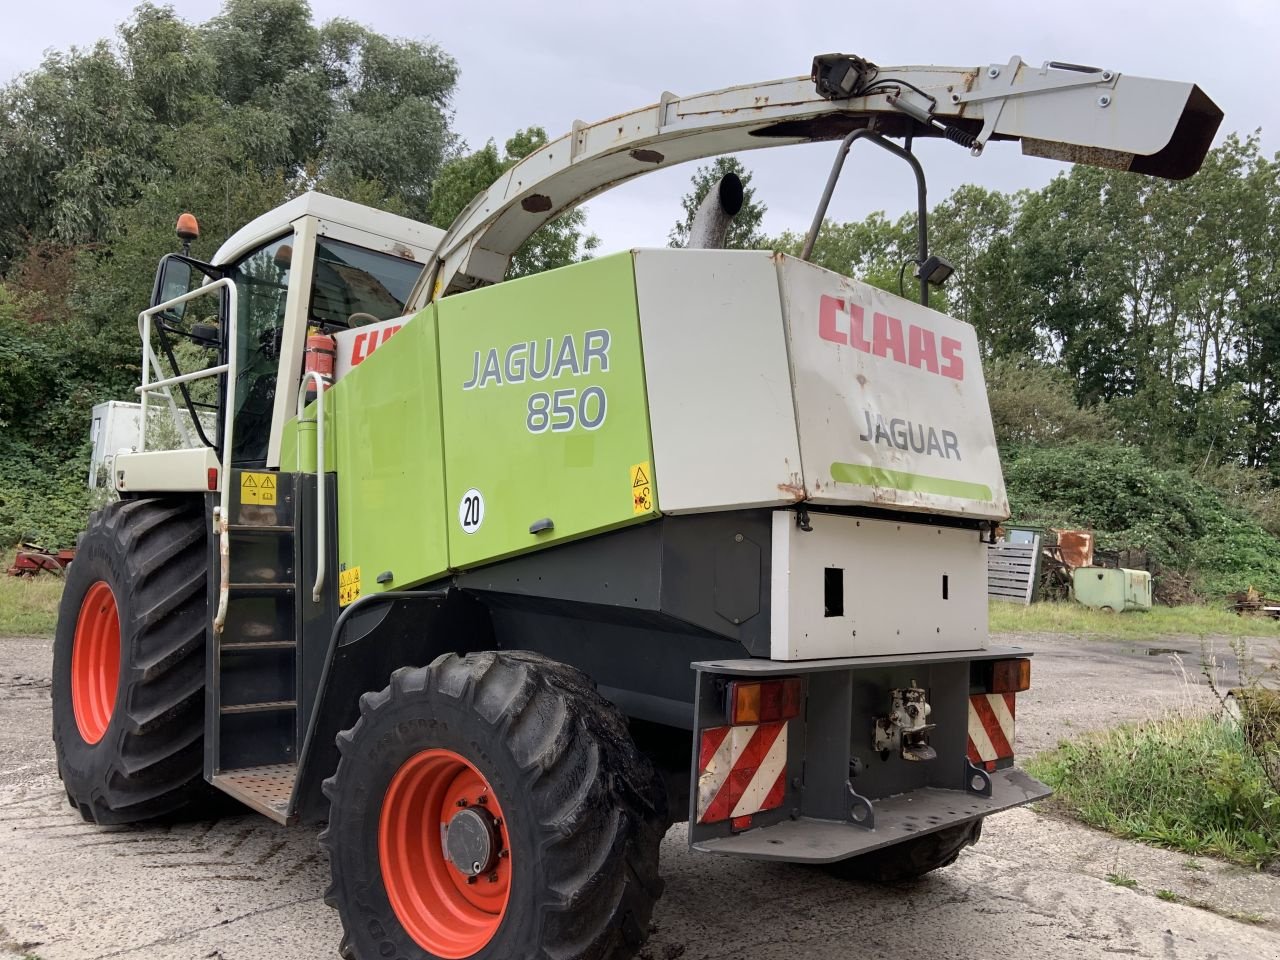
pixel 500 579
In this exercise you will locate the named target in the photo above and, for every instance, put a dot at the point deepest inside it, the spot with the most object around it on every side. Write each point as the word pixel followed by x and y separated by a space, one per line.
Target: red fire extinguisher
pixel 319 357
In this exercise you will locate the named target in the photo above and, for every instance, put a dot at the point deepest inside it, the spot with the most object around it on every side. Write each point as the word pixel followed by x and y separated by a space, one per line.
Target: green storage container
pixel 1110 589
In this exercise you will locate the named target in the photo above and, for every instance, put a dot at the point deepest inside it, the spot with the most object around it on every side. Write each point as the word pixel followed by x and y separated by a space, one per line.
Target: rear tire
pixel 128 662
pixel 909 859
pixel 572 867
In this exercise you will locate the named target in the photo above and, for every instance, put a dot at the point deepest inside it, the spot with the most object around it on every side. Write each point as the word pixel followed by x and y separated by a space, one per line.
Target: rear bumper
pixel 827 784
pixel 808 840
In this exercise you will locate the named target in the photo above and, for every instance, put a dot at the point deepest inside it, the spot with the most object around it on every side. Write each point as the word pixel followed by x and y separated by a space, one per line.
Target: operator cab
pixel 314 265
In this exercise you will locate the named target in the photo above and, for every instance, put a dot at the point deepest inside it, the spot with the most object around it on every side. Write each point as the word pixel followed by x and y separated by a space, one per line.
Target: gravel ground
pixel 241 888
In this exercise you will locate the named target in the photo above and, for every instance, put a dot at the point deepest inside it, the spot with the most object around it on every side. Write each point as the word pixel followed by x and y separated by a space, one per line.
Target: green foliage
pixel 744 230
pixel 1032 403
pixel 1188 783
pixel 101 148
pixel 556 244
pixel 1130 502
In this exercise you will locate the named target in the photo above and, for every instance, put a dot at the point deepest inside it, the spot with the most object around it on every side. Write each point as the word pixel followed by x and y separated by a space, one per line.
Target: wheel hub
pixel 471 841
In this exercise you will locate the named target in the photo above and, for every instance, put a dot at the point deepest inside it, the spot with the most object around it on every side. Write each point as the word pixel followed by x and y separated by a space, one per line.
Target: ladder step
pixel 258 528
pixel 270 706
pixel 260 645
pixel 264 587
pixel 266 789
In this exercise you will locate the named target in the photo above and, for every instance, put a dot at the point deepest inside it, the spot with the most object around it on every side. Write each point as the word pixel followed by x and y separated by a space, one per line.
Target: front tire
pixel 128 662
pixel 563 817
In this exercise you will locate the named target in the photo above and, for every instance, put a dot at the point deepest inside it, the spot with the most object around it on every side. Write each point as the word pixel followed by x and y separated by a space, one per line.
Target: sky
pixel 551 62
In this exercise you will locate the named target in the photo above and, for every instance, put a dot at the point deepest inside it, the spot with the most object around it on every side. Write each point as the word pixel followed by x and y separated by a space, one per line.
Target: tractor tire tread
pixel 598 803
pixel 156 738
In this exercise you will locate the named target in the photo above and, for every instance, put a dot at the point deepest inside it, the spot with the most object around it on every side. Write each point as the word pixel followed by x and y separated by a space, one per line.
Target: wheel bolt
pixel 471 879
pixel 482 799
pixel 493 878
pixel 462 802
pixel 503 854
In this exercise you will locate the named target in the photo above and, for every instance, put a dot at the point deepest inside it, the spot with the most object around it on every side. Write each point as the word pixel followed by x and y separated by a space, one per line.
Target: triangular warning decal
pixel 248 481
pixel 268 482
pixel 640 480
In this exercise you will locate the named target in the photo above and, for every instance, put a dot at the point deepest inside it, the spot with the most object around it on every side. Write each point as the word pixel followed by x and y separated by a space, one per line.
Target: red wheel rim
pixel 95 662
pixel 433 901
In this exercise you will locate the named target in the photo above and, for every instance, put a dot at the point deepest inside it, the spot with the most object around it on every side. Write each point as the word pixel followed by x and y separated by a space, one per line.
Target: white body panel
pixel 890 400
pixel 382 231
pixel 720 409
pixel 764 391
pixel 892 588
pixel 165 471
pixel 116 428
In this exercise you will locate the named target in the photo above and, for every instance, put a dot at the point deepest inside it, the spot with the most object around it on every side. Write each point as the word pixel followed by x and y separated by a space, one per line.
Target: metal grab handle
pixel 320 499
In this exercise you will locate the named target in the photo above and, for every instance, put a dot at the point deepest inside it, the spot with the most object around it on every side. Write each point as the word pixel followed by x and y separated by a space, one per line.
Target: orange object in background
pixel 1075 547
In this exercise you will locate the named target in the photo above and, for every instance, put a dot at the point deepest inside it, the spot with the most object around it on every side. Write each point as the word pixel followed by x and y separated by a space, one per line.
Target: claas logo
pixel 365 343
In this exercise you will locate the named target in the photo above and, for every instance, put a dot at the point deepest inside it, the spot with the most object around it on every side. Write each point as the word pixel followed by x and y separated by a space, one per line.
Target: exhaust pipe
pixel 714 215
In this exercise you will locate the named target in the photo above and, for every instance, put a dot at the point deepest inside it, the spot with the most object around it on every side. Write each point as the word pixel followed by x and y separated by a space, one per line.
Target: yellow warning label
pixel 348 585
pixel 641 488
pixel 258 488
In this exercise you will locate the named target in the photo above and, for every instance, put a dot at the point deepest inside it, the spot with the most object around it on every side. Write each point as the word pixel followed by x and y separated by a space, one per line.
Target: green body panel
pixel 571 337
pixel 439 400
pixel 383 440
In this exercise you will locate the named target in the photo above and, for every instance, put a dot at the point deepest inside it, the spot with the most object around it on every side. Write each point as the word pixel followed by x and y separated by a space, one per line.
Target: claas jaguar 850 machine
pixel 502 578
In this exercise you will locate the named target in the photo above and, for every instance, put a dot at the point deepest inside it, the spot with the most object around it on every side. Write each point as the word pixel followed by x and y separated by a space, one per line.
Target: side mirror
pixel 173 279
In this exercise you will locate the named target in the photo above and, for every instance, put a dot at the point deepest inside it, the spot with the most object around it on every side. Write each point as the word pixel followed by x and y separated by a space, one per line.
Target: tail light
pixel 763 701
pixel 1009 676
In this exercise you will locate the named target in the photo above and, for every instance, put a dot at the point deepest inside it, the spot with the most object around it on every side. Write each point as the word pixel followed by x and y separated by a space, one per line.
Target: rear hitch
pixel 906 729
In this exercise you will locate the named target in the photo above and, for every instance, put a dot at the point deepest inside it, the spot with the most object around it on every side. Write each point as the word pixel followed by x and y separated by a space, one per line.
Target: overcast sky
pixel 549 62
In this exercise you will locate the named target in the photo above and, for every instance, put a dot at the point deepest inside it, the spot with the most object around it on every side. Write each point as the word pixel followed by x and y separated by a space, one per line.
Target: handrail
pixel 222 512
pixel 182 378
pixel 321 386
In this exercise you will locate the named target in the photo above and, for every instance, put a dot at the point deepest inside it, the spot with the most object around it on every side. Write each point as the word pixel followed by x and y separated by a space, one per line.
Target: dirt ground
pixel 242 888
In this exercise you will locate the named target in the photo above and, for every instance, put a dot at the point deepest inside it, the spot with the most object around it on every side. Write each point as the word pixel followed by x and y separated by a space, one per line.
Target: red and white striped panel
pixel 741 770
pixel 991 728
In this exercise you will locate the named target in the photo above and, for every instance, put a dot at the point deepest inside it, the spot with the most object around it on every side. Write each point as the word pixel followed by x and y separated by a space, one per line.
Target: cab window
pixel 262 290
pixel 353 286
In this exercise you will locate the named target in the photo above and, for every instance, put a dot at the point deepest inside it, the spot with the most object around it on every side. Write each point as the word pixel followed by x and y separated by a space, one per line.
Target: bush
pixel 1188 783
pixel 1130 503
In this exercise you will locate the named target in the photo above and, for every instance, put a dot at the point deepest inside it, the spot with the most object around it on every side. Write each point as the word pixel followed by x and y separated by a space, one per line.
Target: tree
pixel 744 230
pixel 556 244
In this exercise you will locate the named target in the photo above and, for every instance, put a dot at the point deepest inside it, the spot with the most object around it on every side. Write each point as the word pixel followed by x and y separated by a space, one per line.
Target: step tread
pixel 263 586
pixel 259 528
pixel 265 706
pixel 252 645
pixel 267 789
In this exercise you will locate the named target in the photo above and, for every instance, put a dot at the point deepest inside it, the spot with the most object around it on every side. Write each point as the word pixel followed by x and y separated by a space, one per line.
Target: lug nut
pixel 462 802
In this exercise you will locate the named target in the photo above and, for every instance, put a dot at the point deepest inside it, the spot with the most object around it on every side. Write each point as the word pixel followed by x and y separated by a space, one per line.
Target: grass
pixel 1077 620
pixel 1122 880
pixel 29 605
pixel 1186 783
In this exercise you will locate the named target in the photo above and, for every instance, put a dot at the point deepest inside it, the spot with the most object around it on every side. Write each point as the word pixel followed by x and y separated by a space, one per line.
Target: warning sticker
pixel 348 585
pixel 258 488
pixel 641 488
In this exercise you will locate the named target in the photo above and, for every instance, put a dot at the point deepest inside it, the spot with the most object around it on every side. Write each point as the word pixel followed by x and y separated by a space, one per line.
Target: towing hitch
pixel 906 729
